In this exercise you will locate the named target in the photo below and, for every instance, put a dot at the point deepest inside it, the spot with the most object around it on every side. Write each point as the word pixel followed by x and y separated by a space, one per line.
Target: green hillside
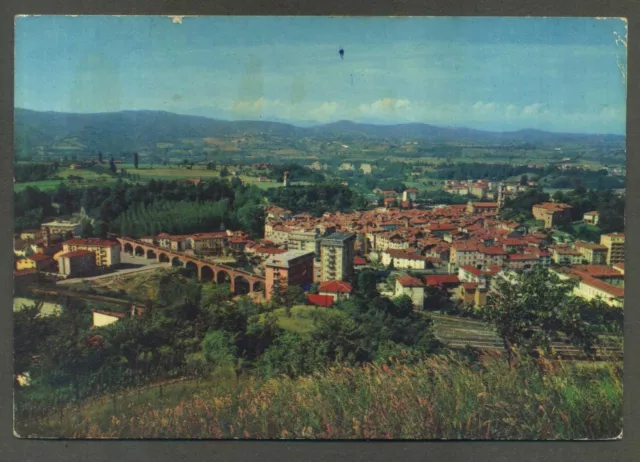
pixel 439 397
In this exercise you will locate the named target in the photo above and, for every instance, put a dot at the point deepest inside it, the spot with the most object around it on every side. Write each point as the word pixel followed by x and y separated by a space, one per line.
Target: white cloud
pixel 324 112
pixel 384 107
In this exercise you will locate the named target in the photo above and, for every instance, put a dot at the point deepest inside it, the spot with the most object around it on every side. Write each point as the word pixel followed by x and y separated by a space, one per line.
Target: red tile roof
pixel 439 279
pixel 359 261
pixel 335 287
pixel 522 256
pixel 409 281
pixel 604 286
pixel 38 257
pixel 472 270
pixel 320 300
pixel 597 271
pixel 492 250
pixel 485 204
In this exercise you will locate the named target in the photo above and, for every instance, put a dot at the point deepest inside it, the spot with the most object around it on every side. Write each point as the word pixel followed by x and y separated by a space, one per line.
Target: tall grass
pixel 441 397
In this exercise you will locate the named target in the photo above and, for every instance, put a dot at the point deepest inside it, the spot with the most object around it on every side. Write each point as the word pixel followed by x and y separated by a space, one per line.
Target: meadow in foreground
pixel 442 397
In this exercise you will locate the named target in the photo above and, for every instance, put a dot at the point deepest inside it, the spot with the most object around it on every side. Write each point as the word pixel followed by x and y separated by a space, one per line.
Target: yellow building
pixel 30 234
pixel 614 243
pixel 566 256
pixel 551 213
pixel 594 254
pixel 107 252
pixel 25 263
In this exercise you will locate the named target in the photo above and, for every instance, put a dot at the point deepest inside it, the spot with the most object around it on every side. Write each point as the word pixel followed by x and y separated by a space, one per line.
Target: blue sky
pixel 558 74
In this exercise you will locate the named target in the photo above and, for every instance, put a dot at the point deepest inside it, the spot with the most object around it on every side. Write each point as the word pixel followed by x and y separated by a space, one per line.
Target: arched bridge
pixel 241 281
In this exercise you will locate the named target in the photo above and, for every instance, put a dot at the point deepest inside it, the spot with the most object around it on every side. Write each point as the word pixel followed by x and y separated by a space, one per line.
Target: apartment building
pixel 291 268
pixel 336 256
pixel 107 252
pixel 594 254
pixel 566 256
pixel 614 242
pixel 305 240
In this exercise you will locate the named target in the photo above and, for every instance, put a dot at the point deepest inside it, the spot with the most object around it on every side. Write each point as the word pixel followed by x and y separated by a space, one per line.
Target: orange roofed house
pixel 294 267
pixel 482 208
pixel 552 213
pixel 412 287
pixel 336 289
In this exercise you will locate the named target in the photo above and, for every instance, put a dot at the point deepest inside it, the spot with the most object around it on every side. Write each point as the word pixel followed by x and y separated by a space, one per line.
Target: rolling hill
pixel 134 130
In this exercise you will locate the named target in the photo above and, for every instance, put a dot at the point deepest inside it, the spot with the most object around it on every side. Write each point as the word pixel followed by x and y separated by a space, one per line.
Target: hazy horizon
pixel 563 75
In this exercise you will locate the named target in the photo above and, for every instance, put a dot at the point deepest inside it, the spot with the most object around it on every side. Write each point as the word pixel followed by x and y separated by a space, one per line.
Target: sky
pixel 500 74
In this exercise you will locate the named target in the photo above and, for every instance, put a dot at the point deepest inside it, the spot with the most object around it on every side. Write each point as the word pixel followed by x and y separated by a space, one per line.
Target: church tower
pixel 500 196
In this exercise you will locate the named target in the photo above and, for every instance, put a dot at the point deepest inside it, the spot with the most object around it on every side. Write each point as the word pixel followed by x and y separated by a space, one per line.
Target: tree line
pixel 23 173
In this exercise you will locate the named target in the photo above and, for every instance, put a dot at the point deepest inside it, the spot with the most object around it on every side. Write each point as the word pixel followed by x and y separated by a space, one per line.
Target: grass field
pixel 91 178
pixel 47 309
pixel 439 397
pixel 301 320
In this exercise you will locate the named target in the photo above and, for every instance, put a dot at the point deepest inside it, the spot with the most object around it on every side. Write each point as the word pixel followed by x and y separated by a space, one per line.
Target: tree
pixel 224 172
pixel 524 180
pixel 367 283
pixel 236 182
pixel 86 229
pixel 277 299
pixel 219 350
pixel 112 166
pixel 136 159
pixel 100 157
pixel 558 196
pixel 101 229
pixel 289 354
pixel 294 295
pixel 531 311
pixel 436 297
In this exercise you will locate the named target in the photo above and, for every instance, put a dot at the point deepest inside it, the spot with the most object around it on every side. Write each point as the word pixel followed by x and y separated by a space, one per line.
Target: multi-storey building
pixel 336 256
pixel 465 253
pixel 482 208
pixel 107 252
pixel 403 259
pixel 61 228
pixel 594 254
pixel 552 213
pixel 566 256
pixel 614 243
pixel 291 268
pixel 305 240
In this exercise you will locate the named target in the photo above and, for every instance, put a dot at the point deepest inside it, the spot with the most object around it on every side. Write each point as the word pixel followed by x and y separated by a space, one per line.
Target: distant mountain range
pixel 132 130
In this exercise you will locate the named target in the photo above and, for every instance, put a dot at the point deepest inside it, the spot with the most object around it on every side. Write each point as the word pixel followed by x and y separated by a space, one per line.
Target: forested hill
pixel 135 130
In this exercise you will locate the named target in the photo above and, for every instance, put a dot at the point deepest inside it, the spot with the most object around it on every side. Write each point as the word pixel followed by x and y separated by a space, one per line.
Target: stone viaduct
pixel 241 281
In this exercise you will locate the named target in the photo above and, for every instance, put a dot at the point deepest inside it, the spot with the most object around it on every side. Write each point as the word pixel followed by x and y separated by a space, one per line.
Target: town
pixel 458 247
